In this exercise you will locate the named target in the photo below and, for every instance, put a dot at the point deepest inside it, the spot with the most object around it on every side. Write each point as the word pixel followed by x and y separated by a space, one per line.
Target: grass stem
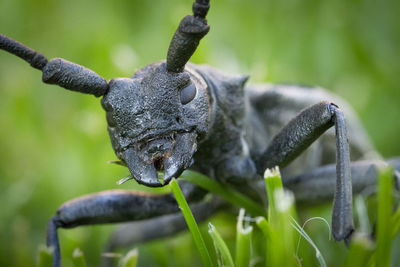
pixel 191 223
pixel 223 254
pixel 224 191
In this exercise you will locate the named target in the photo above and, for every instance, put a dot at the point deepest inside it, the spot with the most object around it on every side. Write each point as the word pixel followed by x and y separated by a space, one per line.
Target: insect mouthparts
pixel 171 155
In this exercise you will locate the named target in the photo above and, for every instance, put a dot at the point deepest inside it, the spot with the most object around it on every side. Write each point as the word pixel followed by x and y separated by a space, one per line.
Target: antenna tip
pixel 200 9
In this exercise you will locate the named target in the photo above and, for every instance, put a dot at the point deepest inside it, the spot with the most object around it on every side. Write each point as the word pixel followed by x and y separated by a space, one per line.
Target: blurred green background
pixel 54 145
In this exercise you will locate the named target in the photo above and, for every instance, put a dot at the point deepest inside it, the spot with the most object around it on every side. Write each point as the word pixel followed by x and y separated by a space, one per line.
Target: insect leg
pixel 110 207
pixel 301 132
pixel 319 183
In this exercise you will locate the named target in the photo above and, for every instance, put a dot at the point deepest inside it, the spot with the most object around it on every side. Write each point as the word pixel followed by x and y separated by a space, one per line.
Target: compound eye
pixel 188 93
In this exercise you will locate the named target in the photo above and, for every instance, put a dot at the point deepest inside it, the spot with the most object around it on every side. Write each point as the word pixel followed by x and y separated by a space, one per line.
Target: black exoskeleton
pixel 170 116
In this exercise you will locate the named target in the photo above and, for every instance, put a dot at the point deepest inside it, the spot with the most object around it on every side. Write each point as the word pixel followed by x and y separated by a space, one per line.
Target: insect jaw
pixel 173 160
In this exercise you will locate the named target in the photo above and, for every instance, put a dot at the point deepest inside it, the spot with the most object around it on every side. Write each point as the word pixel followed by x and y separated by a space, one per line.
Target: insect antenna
pixel 35 59
pixel 187 37
pixel 58 71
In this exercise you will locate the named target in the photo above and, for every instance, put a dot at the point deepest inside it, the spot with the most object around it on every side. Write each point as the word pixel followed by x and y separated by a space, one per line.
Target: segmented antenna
pixel 58 71
pixel 187 37
pixel 35 59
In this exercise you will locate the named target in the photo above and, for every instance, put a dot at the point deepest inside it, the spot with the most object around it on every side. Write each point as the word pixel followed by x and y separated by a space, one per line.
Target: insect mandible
pixel 171 115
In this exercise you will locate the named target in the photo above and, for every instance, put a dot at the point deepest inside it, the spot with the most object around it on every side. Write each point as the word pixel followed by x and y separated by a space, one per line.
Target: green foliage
pixel 280 228
pixel 360 252
pixel 54 144
pixel 243 241
pixel 224 257
pixel 78 258
pixel 384 224
pixel 280 239
pixel 45 256
pixel 130 260
pixel 303 234
pixel 273 184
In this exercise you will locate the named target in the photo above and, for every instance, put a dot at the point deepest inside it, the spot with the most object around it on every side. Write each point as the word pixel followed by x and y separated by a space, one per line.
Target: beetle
pixel 169 114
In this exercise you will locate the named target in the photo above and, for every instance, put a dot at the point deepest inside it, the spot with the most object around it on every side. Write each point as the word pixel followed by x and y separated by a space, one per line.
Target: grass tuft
pixel 303 234
pixel 396 222
pixel 279 234
pixel 224 256
pixel 45 256
pixel 78 258
pixel 360 251
pixel 385 207
pixel 243 242
pixel 130 260
pixel 273 182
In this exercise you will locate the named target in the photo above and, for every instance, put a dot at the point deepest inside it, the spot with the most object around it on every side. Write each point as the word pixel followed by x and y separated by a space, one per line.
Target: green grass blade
pixel 362 214
pixel 78 258
pixel 194 229
pixel 220 247
pixel 224 191
pixel 130 260
pixel 360 253
pixel 45 256
pixel 280 249
pixel 303 233
pixel 264 226
pixel 396 222
pixel 385 206
pixel 279 233
pixel 243 242
pixel 273 182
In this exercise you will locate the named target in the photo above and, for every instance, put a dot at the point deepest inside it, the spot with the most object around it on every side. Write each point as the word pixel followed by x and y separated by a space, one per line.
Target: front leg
pixel 111 207
pixel 301 132
pixel 134 233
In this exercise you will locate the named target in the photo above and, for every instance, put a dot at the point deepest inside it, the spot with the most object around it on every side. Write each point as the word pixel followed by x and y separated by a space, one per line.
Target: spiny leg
pixel 301 132
pixel 134 233
pixel 111 207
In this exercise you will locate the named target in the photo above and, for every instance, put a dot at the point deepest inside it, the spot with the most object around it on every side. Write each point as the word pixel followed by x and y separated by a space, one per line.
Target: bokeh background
pixel 54 145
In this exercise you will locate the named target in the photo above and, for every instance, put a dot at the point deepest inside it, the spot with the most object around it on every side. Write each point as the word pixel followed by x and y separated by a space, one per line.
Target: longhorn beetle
pixel 172 115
